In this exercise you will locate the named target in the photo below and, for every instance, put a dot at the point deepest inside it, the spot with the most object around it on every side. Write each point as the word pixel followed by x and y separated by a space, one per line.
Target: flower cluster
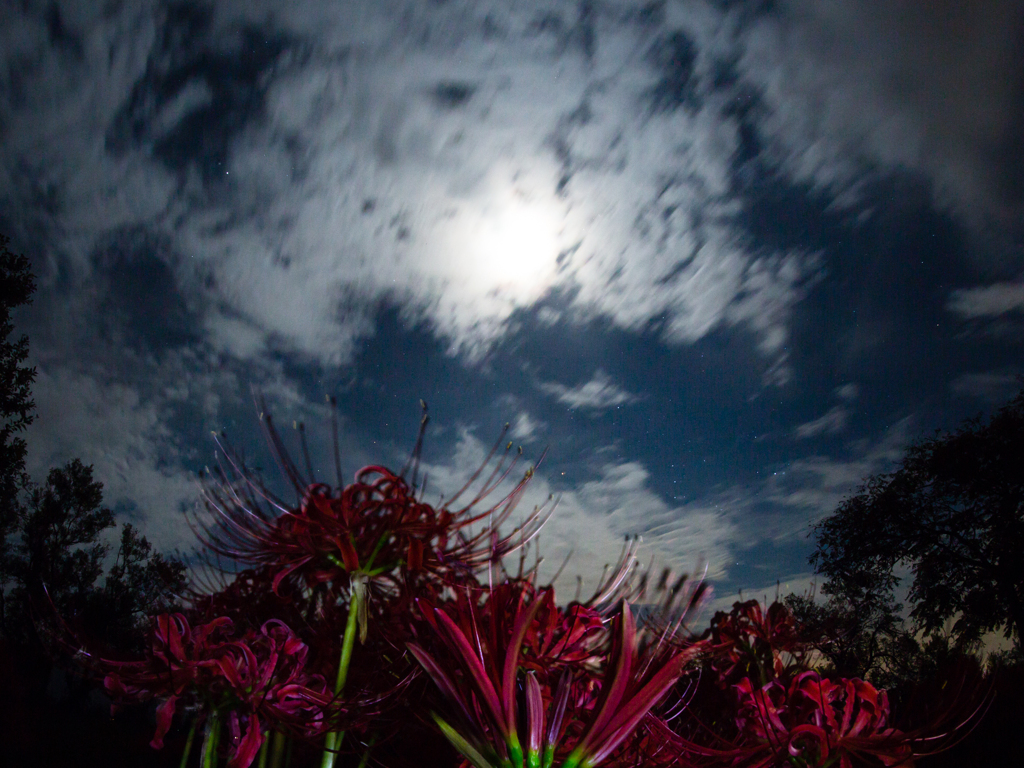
pixel 360 612
pixel 252 680
pixel 615 678
pixel 774 709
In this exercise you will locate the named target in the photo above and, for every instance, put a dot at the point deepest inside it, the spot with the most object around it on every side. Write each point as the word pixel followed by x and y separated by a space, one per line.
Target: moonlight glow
pixel 503 248
pixel 516 247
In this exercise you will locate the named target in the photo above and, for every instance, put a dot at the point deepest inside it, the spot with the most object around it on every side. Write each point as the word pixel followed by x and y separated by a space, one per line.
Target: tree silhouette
pixel 866 639
pixel 16 287
pixel 954 511
pixel 139 584
pixel 59 561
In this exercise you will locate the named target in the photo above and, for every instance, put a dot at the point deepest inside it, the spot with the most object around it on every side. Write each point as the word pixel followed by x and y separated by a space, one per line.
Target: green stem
pixel 366 754
pixel 264 750
pixel 333 741
pixel 380 543
pixel 574 759
pixel 347 643
pixel 188 745
pixel 210 741
pixel 277 741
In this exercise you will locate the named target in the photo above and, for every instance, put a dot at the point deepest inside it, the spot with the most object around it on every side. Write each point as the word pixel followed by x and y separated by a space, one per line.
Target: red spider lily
pixel 265 678
pixel 814 722
pixel 485 680
pixel 248 599
pixel 555 638
pixel 751 642
pixel 374 526
pixel 770 709
pixel 255 680
pixel 178 657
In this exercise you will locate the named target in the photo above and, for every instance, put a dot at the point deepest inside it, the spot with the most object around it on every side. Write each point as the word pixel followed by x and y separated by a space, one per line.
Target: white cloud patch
pixel 409 157
pixel 991 387
pixel 848 392
pixel 595 396
pixel 125 440
pixel 987 301
pixel 526 428
pixel 593 520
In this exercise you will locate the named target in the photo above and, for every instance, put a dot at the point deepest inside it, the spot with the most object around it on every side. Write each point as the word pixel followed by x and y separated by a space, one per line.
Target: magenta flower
pixel 480 676
pixel 814 722
pixel 783 713
pixel 256 681
pixel 178 658
pixel 752 642
pixel 375 527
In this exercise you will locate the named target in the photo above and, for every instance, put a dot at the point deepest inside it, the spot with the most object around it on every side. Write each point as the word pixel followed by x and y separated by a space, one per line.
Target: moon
pixel 515 246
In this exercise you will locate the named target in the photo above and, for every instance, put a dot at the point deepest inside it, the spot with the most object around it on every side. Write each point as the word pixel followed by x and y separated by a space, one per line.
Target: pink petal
pixel 164 716
pixel 249 746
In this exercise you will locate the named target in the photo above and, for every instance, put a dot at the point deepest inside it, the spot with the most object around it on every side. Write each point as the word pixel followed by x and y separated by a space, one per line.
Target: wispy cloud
pixel 593 519
pixel 832 422
pixel 346 181
pixel 812 487
pixel 848 392
pixel 834 77
pixel 988 301
pixel 122 435
pixel 595 396
pixel 992 387
pixel 526 428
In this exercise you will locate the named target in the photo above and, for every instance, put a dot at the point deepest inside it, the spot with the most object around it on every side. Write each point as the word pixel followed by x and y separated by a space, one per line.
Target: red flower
pixel 818 721
pixel 480 678
pixel 785 713
pixel 178 658
pixel 375 527
pixel 257 679
pixel 756 643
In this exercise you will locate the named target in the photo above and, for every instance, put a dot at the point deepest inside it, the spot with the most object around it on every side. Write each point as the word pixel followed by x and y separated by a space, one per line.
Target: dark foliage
pixel 57 565
pixel 58 559
pixel 865 639
pixel 953 509
pixel 16 287
pixel 141 582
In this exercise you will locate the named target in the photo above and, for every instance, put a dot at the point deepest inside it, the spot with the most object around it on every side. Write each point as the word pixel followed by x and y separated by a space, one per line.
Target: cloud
pixel 526 428
pixel 812 487
pixel 459 163
pixel 854 86
pixel 595 396
pixel 848 392
pixel 988 301
pixel 593 519
pixel 992 387
pixel 125 439
pixel 832 422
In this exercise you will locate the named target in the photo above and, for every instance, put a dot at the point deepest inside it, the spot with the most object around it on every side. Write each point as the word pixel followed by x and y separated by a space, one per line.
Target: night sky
pixel 721 259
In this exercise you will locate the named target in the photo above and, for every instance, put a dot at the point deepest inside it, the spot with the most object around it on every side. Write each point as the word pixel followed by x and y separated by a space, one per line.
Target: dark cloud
pixel 674 56
pixel 452 95
pixel 142 299
pixel 201 88
pixel 935 88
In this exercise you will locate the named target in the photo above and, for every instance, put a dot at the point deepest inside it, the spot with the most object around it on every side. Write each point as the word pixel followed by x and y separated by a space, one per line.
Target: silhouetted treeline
pixel 58 586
